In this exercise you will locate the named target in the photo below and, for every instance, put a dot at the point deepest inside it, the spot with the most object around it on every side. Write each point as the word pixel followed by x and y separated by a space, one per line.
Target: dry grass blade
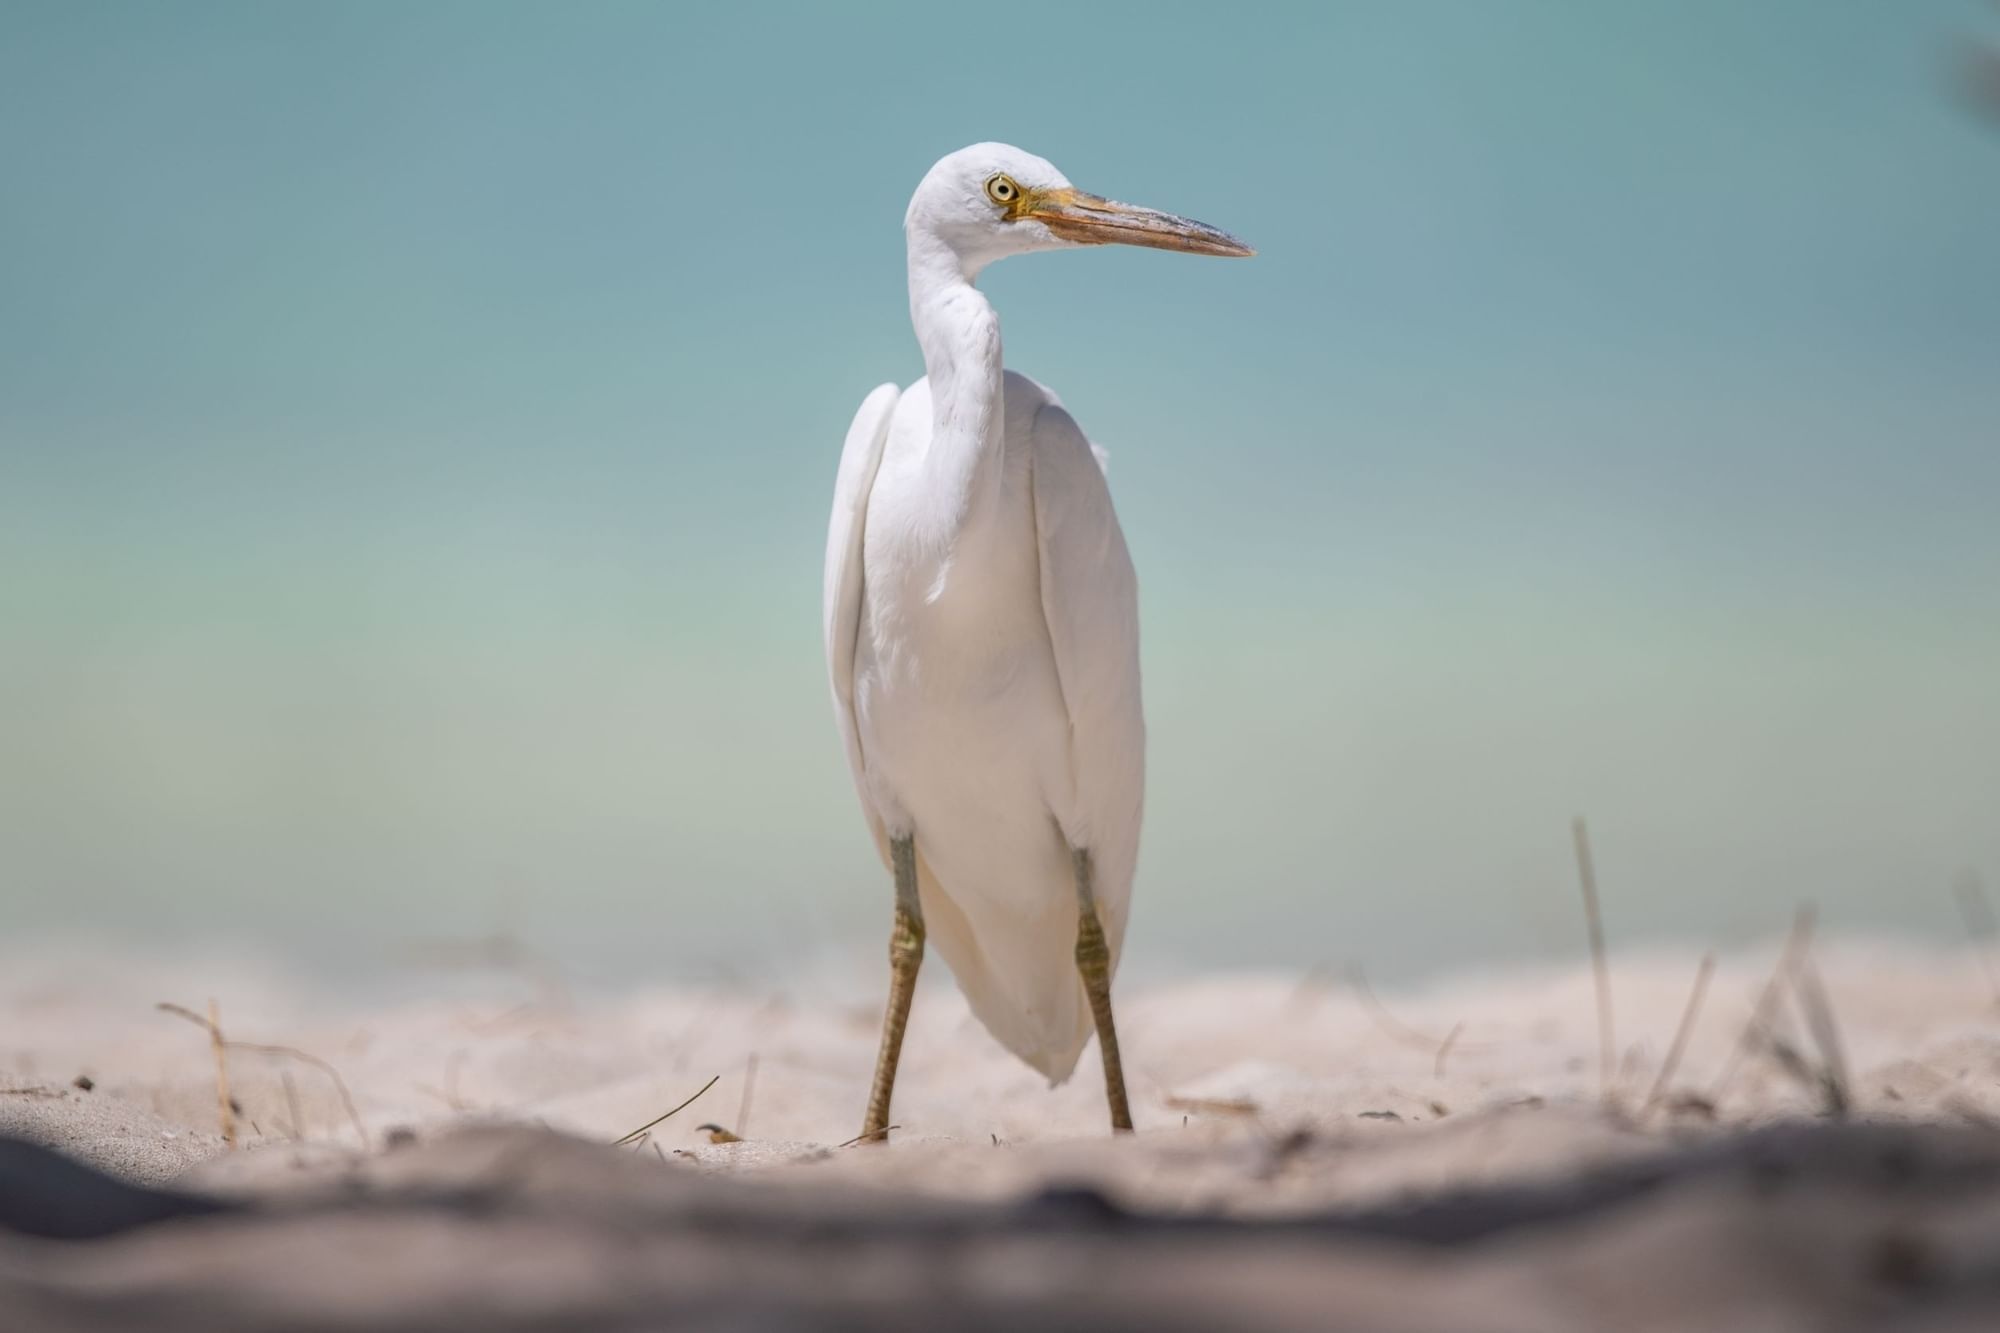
pixel 1760 1017
pixel 1396 1029
pixel 1818 1010
pixel 1600 967
pixel 1444 1048
pixel 452 1066
pixel 225 1105
pixel 447 1093
pixel 1681 1033
pixel 333 1075
pixel 1786 1056
pixel 222 1044
pixel 881 1133
pixel 627 1138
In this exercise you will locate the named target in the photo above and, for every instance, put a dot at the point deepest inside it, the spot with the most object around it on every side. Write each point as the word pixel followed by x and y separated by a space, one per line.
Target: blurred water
pixel 416 426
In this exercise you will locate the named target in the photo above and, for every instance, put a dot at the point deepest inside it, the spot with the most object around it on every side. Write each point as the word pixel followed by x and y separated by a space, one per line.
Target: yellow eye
pixel 1001 189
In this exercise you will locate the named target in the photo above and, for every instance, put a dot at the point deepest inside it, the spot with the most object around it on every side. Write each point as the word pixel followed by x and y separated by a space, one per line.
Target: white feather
pixel 982 633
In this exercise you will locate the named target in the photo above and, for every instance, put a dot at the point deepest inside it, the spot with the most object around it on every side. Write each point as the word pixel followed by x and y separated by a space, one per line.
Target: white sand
pixel 1222 1069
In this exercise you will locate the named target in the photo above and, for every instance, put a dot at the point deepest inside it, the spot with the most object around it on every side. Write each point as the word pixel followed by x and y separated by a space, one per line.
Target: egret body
pixel 982 636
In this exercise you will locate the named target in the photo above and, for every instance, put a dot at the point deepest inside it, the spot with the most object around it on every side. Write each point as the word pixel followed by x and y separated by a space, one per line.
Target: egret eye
pixel 1001 189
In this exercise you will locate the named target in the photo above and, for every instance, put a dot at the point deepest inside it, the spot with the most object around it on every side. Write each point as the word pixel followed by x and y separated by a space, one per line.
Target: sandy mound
pixel 1803 1226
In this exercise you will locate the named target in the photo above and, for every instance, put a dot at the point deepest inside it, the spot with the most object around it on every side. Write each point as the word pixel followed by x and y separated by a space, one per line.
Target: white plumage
pixel 986 666
pixel 981 616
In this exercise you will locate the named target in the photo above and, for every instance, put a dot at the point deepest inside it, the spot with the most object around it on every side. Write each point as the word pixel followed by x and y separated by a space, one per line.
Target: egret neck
pixel 959 333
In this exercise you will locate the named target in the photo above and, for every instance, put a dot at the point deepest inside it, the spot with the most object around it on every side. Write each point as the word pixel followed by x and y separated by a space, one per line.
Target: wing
pixel 1090 598
pixel 859 459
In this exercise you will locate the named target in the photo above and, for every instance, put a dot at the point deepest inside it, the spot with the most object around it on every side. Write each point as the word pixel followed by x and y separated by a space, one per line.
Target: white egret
pixel 982 635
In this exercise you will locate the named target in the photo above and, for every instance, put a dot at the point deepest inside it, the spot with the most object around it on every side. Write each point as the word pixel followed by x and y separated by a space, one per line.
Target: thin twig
pixel 625 1139
pixel 292 1104
pixel 1681 1033
pixel 1760 1016
pixel 1600 967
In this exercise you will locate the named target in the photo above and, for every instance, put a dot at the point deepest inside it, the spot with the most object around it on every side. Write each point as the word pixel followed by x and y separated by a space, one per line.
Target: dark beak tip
pixel 1230 247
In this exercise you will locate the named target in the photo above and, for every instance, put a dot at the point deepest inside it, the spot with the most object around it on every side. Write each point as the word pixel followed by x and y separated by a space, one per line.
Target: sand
pixel 1261 1100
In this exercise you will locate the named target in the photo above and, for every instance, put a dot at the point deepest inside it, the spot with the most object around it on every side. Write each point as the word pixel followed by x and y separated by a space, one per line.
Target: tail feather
pixel 1018 974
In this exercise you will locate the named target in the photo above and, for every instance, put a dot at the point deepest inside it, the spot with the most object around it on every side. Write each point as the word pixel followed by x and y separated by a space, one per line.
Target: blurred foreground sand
pixel 1256 1097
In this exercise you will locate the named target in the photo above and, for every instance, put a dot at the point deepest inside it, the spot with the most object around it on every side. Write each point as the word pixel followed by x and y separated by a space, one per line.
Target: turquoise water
pixel 416 425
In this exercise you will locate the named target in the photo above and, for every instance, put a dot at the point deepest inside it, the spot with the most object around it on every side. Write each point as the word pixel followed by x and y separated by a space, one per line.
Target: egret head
pixel 993 200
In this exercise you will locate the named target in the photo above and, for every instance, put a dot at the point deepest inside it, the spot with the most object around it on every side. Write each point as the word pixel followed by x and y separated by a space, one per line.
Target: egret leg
pixel 906 954
pixel 1093 962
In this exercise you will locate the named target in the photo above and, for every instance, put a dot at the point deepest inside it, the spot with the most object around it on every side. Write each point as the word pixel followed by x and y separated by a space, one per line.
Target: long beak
pixel 1088 220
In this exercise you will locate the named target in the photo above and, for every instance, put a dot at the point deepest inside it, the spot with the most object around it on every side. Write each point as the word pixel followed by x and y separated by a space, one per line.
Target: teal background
pixel 417 422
